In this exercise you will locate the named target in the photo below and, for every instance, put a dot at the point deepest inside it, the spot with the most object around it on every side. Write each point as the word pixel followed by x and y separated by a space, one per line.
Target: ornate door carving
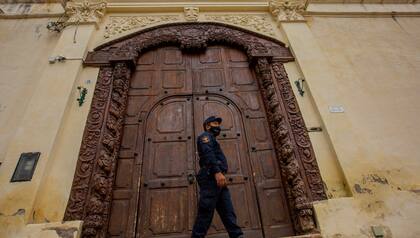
pixel 123 178
pixel 198 85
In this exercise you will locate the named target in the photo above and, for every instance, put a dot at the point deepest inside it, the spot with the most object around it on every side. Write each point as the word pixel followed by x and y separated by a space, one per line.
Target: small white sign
pixel 336 109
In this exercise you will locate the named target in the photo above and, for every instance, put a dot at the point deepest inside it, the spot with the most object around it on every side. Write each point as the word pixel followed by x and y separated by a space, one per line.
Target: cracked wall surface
pixel 376 65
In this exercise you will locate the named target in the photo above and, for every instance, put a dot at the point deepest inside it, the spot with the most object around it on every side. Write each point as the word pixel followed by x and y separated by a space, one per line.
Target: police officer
pixel 214 193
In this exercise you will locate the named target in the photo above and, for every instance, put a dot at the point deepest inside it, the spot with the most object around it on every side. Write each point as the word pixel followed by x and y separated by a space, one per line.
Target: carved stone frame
pixel 91 192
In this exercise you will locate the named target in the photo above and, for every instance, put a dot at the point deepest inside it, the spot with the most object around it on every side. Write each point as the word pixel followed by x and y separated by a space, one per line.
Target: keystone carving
pixel 191 13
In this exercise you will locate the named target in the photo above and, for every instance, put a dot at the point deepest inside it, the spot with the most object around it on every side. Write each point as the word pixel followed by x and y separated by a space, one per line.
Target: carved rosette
pixel 302 213
pixel 288 10
pixel 82 12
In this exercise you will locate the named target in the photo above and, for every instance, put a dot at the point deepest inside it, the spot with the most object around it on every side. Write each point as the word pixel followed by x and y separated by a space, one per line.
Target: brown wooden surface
pixel 170 94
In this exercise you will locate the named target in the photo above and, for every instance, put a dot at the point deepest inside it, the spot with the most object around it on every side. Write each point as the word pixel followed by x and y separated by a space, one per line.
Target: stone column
pixel 45 113
pixel 318 74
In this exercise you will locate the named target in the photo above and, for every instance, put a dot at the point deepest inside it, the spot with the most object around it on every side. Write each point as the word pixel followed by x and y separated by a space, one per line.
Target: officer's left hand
pixel 220 179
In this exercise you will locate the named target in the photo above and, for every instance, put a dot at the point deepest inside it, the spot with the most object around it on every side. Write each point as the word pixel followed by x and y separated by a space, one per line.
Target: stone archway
pixel 95 172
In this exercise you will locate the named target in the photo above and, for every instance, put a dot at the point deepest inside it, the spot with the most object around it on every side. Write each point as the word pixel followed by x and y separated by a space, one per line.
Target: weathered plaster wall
pixel 376 64
pixel 25 48
pixel 51 108
pixel 335 183
pixel 52 196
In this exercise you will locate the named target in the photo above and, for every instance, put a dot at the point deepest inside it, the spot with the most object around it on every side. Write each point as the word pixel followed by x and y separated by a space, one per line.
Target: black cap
pixel 211 119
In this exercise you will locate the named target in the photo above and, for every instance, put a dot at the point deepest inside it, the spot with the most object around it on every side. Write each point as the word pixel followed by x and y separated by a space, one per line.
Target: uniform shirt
pixel 210 153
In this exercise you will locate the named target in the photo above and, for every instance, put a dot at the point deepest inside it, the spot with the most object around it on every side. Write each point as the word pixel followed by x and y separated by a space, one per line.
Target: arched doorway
pixel 133 178
pixel 196 85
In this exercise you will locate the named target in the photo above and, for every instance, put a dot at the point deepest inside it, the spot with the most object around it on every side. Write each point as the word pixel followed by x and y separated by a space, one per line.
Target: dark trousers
pixel 213 197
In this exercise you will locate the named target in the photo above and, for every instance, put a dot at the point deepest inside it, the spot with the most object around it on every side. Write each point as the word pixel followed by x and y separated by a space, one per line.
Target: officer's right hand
pixel 220 179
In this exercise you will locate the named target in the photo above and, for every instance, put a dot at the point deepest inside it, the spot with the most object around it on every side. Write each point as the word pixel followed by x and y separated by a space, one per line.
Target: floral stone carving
pixel 258 23
pixel 81 12
pixel 288 10
pixel 120 24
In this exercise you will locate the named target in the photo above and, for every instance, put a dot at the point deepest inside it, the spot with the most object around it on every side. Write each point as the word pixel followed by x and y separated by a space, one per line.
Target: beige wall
pixel 50 108
pixel 25 47
pixel 53 194
pixel 376 62
pixel 376 68
pixel 335 183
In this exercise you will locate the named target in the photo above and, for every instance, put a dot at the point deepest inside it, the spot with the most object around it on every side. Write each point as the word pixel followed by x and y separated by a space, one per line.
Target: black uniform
pixel 212 160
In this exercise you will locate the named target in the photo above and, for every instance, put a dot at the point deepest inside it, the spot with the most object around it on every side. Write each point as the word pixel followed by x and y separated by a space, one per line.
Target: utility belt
pixel 207 169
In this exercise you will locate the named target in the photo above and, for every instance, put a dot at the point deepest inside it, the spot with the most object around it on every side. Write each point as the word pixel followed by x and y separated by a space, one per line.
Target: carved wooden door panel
pixel 225 71
pixel 267 177
pixel 167 197
pixel 239 176
pixel 158 73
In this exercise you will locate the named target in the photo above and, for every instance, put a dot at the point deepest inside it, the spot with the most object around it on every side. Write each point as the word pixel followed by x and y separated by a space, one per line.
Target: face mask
pixel 215 130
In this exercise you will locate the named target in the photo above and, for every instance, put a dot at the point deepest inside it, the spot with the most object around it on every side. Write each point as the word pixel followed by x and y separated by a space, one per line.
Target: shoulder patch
pixel 205 139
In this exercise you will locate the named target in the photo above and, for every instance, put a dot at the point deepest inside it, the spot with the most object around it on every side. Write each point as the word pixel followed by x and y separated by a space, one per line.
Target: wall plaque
pixel 336 109
pixel 25 167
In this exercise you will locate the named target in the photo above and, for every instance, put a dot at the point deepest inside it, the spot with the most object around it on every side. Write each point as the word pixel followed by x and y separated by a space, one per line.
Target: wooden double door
pixel 171 93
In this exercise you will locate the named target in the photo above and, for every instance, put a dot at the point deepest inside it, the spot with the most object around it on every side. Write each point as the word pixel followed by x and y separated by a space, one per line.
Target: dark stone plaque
pixel 25 167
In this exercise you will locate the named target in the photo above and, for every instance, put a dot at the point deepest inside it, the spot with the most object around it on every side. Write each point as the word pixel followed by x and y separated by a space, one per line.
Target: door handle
pixel 190 178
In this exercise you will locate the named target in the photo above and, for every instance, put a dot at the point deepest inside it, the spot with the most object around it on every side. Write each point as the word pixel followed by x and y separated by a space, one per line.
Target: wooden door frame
pixel 91 193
